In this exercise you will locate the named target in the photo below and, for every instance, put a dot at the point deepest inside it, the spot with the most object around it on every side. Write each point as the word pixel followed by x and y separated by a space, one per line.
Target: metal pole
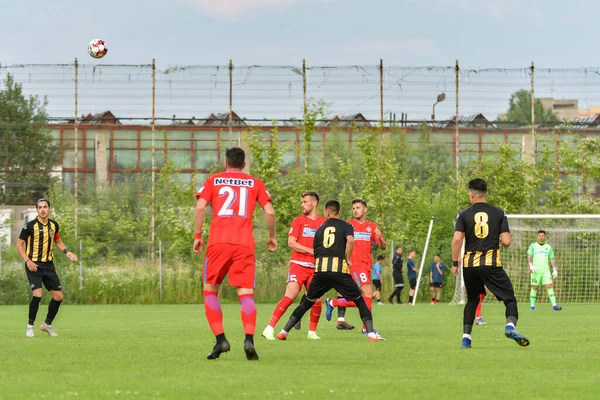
pixel 532 101
pixel 1 256
pixel 76 154
pixel 304 90
pixel 230 100
pixel 80 265
pixel 152 209
pixel 423 261
pixel 456 163
pixel 160 271
pixel 381 97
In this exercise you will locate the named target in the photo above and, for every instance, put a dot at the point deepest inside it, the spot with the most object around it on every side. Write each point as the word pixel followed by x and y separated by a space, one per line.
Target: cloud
pixel 414 46
pixel 234 8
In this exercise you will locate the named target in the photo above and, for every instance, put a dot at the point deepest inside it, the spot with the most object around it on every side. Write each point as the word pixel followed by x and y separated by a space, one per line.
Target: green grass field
pixel 149 352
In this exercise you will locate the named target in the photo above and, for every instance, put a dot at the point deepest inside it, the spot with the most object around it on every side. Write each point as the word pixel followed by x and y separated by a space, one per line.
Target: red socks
pixel 478 309
pixel 248 313
pixel 315 314
pixel 280 309
pixel 212 309
pixel 342 303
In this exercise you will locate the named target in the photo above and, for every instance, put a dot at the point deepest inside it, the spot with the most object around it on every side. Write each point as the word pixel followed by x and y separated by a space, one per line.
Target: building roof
pixel 584 122
pixel 469 121
pixel 106 117
pixel 346 121
pixel 222 119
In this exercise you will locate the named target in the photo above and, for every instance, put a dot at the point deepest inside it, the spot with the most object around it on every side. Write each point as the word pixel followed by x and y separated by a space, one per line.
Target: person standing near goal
pixel 233 195
pixel 484 228
pixel 540 256
pixel 302 264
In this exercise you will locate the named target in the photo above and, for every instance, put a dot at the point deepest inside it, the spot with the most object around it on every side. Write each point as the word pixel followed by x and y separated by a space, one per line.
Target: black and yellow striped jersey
pixel 482 225
pixel 39 239
pixel 330 246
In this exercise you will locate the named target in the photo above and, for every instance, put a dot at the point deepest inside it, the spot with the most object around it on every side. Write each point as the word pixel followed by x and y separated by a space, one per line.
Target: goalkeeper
pixel 540 256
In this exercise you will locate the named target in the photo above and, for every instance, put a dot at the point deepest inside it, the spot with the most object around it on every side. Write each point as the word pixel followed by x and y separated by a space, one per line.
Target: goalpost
pixel 575 239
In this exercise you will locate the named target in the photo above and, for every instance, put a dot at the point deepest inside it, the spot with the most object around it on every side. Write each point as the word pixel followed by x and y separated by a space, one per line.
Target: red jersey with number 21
pixel 233 196
pixel 364 236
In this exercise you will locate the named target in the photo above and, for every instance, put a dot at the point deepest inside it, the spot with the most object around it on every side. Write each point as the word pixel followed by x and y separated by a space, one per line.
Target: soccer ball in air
pixel 97 48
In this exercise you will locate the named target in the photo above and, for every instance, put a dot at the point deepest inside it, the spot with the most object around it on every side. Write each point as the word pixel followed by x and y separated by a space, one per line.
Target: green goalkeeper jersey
pixel 541 255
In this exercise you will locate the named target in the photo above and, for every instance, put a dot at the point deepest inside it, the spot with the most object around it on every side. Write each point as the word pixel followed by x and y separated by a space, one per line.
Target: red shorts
pixel 238 262
pixel 301 275
pixel 361 274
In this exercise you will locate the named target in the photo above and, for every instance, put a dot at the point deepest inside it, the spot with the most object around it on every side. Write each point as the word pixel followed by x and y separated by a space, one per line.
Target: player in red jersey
pixel 365 234
pixel 233 195
pixel 302 264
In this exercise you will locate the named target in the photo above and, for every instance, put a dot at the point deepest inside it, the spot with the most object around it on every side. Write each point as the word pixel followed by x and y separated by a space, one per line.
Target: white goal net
pixel 575 240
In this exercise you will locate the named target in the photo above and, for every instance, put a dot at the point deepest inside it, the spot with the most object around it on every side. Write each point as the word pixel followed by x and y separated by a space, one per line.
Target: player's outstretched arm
pixel 270 220
pixel 199 214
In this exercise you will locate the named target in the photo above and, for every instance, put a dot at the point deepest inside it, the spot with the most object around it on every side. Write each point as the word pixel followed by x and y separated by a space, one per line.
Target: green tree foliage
pixel 519 110
pixel 27 153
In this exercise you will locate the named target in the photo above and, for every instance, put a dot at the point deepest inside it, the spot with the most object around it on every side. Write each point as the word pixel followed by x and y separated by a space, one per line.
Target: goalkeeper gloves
pixel 531 268
pixel 554 273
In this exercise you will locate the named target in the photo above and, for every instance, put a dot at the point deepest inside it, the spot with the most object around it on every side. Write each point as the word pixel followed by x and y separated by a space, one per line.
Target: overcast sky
pixel 479 33
pixel 490 33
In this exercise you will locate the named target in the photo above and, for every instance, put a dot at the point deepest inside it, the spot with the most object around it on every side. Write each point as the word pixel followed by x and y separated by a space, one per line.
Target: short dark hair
pixel 313 194
pixel 361 201
pixel 333 206
pixel 41 200
pixel 412 251
pixel 235 157
pixel 438 255
pixel 478 185
pixel 398 247
pixel 542 231
pixel 380 257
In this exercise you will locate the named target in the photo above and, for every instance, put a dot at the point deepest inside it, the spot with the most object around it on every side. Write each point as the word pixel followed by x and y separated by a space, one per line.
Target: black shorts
pixel 436 284
pixel 413 283
pixel 399 280
pixel 322 282
pixel 377 284
pixel 495 278
pixel 45 274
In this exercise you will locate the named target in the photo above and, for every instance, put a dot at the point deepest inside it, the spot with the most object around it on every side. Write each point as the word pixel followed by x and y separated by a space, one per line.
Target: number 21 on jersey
pixel 482 229
pixel 228 205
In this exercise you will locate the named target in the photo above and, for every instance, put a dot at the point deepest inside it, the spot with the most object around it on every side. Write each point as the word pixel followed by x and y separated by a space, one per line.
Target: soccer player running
pixel 333 246
pixel 484 228
pixel 233 195
pixel 538 256
pixel 365 234
pixel 302 265
pixel 35 246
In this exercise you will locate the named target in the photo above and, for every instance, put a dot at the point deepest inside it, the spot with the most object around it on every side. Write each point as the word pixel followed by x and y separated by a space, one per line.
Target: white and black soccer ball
pixel 97 48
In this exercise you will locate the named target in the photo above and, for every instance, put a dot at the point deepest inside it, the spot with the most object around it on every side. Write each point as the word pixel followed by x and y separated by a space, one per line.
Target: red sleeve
pixel 295 228
pixel 57 236
pixel 206 191
pixel 263 194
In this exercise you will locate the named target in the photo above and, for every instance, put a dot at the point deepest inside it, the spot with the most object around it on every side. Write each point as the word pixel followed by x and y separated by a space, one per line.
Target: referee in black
pixel 35 245
pixel 484 228
pixel 333 245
